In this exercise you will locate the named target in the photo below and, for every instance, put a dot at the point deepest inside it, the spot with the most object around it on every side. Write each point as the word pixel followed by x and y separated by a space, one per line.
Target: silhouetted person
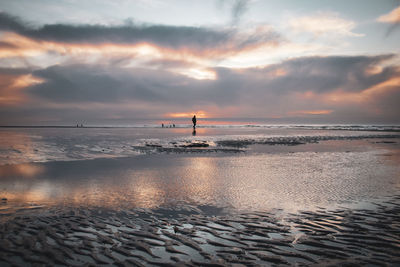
pixel 194 121
pixel 173 125
pixel 162 125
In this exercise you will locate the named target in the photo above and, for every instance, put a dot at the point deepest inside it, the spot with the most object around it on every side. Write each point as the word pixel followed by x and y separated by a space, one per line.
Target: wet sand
pixel 201 236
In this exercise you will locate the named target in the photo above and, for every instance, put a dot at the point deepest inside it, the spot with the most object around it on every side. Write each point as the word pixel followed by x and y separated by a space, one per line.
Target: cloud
pixel 310 86
pixel 13 82
pixel 323 74
pixel 392 17
pixel 324 24
pixel 239 8
pixel 109 84
pixel 192 39
pixel 106 72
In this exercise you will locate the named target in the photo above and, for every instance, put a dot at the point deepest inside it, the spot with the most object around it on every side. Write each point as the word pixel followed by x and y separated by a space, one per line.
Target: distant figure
pixel 162 125
pixel 194 121
pixel 173 125
pixel 77 126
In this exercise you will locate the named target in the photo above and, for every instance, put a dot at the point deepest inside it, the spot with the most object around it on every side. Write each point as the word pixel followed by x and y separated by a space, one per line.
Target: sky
pixel 116 62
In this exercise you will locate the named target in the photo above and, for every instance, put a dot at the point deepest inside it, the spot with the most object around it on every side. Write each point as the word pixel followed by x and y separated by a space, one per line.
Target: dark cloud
pixel 256 92
pixel 387 102
pixel 105 84
pixel 14 71
pixel 86 83
pixel 176 37
pixel 12 23
pixel 239 8
pixel 324 74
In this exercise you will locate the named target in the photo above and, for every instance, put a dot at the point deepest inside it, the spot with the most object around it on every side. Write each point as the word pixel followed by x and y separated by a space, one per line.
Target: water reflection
pixel 146 192
pixel 112 183
pixel 21 170
pixel 251 181
pixel 15 145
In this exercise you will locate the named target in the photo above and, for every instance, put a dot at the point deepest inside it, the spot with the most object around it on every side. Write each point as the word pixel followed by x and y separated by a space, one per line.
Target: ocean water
pixel 236 167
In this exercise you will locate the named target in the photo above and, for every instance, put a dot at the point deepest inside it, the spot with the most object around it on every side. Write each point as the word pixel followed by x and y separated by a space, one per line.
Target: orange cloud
pixel 392 17
pixel 360 97
pixel 11 87
pixel 21 46
pixel 26 80
pixel 367 100
pixel 310 112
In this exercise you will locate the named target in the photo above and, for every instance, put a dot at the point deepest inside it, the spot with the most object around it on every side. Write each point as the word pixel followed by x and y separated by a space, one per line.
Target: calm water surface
pixel 104 167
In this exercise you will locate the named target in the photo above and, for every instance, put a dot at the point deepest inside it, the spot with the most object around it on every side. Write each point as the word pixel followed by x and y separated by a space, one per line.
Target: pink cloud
pixel 391 17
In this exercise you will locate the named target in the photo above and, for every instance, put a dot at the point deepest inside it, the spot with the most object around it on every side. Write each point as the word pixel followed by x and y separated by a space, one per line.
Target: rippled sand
pixel 201 236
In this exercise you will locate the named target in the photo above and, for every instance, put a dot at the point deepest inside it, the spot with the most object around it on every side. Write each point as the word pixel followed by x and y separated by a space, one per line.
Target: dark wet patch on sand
pixel 241 144
pixel 202 235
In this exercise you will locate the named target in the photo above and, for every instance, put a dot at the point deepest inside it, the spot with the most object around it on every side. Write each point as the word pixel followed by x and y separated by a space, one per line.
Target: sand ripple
pixel 188 236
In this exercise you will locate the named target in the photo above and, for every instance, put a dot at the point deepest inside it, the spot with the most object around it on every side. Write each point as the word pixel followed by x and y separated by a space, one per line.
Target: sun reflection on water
pixel 291 178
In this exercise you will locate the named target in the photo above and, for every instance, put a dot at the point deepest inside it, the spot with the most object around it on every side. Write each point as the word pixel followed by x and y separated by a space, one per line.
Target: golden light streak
pixel 199 115
pixel 12 86
pixel 26 80
pixel 310 112
pixel 27 47
pixel 198 74
pixel 49 51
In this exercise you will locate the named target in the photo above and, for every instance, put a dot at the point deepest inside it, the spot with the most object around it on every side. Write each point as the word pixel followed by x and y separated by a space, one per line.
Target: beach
pixel 199 133
pixel 227 196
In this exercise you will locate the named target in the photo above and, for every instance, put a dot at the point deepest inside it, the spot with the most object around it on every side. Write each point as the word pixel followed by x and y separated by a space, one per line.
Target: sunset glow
pixel 199 114
pixel 311 112
pixel 199 133
pixel 303 64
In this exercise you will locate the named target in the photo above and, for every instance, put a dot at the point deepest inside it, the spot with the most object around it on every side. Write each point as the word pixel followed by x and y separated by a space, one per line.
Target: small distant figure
pixel 194 121
pixel 173 125
pixel 162 125
pixel 77 125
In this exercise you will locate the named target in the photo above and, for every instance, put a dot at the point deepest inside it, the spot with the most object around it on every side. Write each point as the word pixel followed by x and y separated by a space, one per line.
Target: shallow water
pixel 243 169
pixel 26 145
